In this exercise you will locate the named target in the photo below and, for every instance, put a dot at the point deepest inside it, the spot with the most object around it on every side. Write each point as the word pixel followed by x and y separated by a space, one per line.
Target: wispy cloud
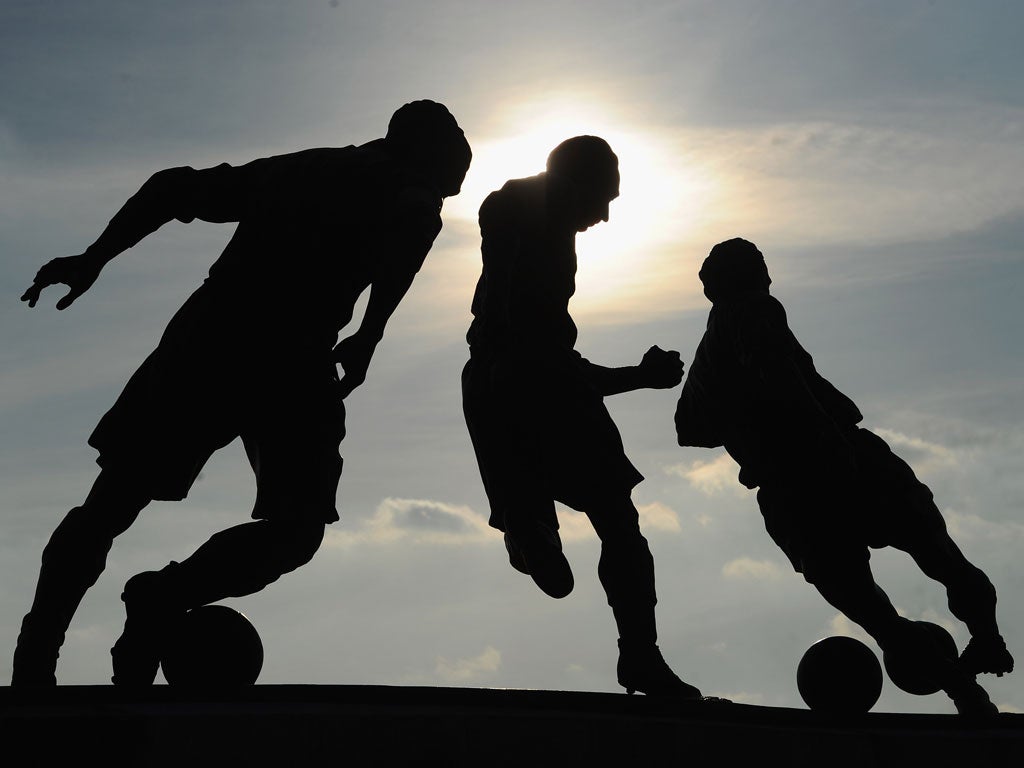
pixel 967 527
pixel 416 521
pixel 839 624
pixel 746 568
pixel 710 477
pixel 926 457
pixel 437 523
pixel 820 178
pixel 472 669
pixel 659 517
pixel 574 526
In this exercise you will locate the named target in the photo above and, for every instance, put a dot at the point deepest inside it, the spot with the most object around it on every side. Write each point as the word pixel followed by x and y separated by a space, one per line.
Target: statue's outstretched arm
pixel 214 194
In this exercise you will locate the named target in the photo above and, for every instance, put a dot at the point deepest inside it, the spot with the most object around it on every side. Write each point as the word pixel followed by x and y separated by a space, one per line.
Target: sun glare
pixel 659 198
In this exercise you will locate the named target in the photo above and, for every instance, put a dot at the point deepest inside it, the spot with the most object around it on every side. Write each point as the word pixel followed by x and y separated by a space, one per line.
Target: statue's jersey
pixel 752 388
pixel 315 228
pixel 529 254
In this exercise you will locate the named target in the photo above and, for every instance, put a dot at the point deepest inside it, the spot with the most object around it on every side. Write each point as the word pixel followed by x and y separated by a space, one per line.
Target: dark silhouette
pixel 535 409
pixel 911 677
pixel 839 674
pixel 828 489
pixel 212 646
pixel 252 353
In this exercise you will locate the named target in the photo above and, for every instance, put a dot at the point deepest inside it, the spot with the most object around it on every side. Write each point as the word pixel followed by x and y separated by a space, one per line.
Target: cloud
pixel 934 617
pixel 658 516
pixel 486 663
pixel 965 527
pixel 87 634
pixel 573 525
pixel 819 178
pixel 709 477
pixel 576 526
pixel 926 458
pixel 428 522
pixel 46 378
pixel 703 520
pixel 419 521
pixel 840 625
pixel 747 568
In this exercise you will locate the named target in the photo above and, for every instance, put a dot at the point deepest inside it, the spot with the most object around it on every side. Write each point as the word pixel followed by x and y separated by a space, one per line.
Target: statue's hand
pixel 662 368
pixel 354 354
pixel 76 272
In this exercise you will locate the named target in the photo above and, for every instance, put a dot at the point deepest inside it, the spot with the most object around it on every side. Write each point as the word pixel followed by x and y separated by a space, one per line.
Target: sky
pixel 872 150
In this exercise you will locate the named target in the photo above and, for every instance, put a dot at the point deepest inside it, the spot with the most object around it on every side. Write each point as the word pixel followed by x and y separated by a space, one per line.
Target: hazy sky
pixel 872 150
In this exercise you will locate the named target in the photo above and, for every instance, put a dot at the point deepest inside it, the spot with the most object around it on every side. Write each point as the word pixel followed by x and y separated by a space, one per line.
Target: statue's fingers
pixel 69 298
pixel 32 294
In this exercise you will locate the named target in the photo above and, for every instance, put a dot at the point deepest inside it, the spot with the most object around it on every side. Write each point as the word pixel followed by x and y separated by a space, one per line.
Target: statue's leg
pixel 235 562
pixel 971 597
pixel 626 571
pixel 848 585
pixel 72 561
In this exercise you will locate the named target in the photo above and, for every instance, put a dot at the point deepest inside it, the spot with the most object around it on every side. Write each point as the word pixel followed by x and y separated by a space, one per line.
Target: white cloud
pixel 487 662
pixel 926 457
pixel 937 177
pixel 710 477
pixel 87 634
pixel 658 516
pixel 573 525
pixel 839 624
pixel 576 526
pixel 419 521
pixel 964 527
pixel 943 620
pixel 423 521
pixel 748 568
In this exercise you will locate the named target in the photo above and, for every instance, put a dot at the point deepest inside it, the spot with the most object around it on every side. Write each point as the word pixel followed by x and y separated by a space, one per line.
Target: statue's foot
pixel 642 668
pixel 35 657
pixel 971 700
pixel 986 654
pixel 538 553
pixel 150 615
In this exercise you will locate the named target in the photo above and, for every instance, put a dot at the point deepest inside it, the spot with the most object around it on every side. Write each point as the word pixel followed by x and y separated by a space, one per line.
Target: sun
pixel 658 198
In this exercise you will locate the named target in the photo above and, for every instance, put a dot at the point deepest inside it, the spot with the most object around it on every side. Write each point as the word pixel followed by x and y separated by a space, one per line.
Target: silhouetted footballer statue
pixel 251 353
pixel 828 489
pixel 535 409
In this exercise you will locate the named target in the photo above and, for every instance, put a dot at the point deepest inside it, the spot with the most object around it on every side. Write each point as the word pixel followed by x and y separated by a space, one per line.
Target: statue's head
pixel 425 134
pixel 732 267
pixel 593 169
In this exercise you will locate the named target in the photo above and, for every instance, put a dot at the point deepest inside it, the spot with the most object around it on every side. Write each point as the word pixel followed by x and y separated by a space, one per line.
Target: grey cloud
pixel 426 516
